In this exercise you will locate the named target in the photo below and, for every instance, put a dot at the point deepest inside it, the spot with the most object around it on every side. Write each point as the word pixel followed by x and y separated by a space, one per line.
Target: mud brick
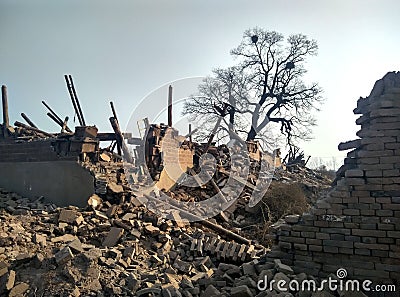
pixel 337 236
pixel 305 228
pixel 193 245
pixel 70 216
pixel 76 246
pixel 113 236
pixel 211 246
pixel 64 255
pixel 338 243
pixel 322 236
pixel 241 291
pixel 19 290
pixel 336 230
pixel 39 239
pixel 292 239
pixel 249 269
pixel 390 160
pixel 331 249
pixel 354 173
pixel 315 248
pixel 248 252
pixel 227 245
pixel 285 245
pixel 384 212
pixel 395 187
pixel 385 227
pixel 64 238
pixel 368 187
pixel 233 251
pixel 152 230
pixel 365 252
pixel 393 234
pixel 367 212
pixel 386 240
pixel 371 273
pixel 373 233
pixel 308 234
pixel 351 212
pixel 353 238
pixel 391 207
pixel 320 211
pixel 368 239
pixel 368 161
pixel 372 246
pixel 336 200
pixel 7 280
pixel 298 246
pixel 391 173
pixel 383 200
pixel 321 224
pixel 347 251
pixel 295 234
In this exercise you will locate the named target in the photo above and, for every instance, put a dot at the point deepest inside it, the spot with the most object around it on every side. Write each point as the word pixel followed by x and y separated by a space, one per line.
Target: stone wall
pixel 357 226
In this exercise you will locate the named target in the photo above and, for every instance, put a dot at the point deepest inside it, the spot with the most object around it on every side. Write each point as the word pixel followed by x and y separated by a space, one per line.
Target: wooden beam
pixel 170 106
pixel 120 140
pixel 6 120
pixel 22 125
pixel 30 123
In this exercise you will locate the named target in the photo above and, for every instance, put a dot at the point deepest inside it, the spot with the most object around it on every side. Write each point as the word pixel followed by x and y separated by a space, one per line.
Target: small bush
pixel 282 199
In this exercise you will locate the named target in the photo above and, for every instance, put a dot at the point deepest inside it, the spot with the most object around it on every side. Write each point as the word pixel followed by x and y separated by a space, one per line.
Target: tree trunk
pixel 252 134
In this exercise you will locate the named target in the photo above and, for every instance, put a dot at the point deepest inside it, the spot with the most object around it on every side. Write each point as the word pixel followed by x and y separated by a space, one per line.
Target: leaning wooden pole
pixel 170 106
pixel 30 123
pixel 52 111
pixel 77 101
pixel 4 100
pixel 113 111
pixel 71 94
pixel 120 139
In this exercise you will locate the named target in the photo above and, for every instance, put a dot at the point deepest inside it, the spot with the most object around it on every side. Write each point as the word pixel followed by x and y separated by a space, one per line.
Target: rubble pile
pixel 122 250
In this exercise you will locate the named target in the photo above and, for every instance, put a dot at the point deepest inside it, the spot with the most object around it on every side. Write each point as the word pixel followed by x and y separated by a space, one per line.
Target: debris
pixel 63 256
pixel 113 236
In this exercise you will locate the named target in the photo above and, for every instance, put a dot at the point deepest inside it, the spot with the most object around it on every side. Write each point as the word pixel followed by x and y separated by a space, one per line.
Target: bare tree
pixel 267 86
pixel 222 94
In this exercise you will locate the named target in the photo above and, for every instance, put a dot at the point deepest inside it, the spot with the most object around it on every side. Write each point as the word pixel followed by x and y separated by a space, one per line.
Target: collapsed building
pixel 114 246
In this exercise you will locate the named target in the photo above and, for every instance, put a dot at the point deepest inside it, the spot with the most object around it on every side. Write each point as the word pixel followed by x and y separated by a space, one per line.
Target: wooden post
pixel 71 94
pixel 6 123
pixel 56 117
pixel 25 117
pixel 120 140
pixel 77 101
pixel 170 106
pixel 113 111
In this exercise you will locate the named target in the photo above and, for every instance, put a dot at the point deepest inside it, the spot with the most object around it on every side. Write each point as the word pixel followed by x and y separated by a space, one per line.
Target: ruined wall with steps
pixel 357 226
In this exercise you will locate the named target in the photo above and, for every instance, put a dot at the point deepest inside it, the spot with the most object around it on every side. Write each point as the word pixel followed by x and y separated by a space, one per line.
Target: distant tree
pixel 266 86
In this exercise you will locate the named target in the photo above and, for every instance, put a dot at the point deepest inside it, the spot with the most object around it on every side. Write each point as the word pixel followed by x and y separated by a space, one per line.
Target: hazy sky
pixel 123 50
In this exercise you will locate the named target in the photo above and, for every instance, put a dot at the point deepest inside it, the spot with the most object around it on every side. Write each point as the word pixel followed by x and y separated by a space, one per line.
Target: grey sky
pixel 122 50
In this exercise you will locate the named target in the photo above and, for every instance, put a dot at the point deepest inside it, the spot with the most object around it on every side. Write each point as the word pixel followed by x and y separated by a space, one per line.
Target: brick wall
pixel 41 150
pixel 357 226
pixel 174 153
